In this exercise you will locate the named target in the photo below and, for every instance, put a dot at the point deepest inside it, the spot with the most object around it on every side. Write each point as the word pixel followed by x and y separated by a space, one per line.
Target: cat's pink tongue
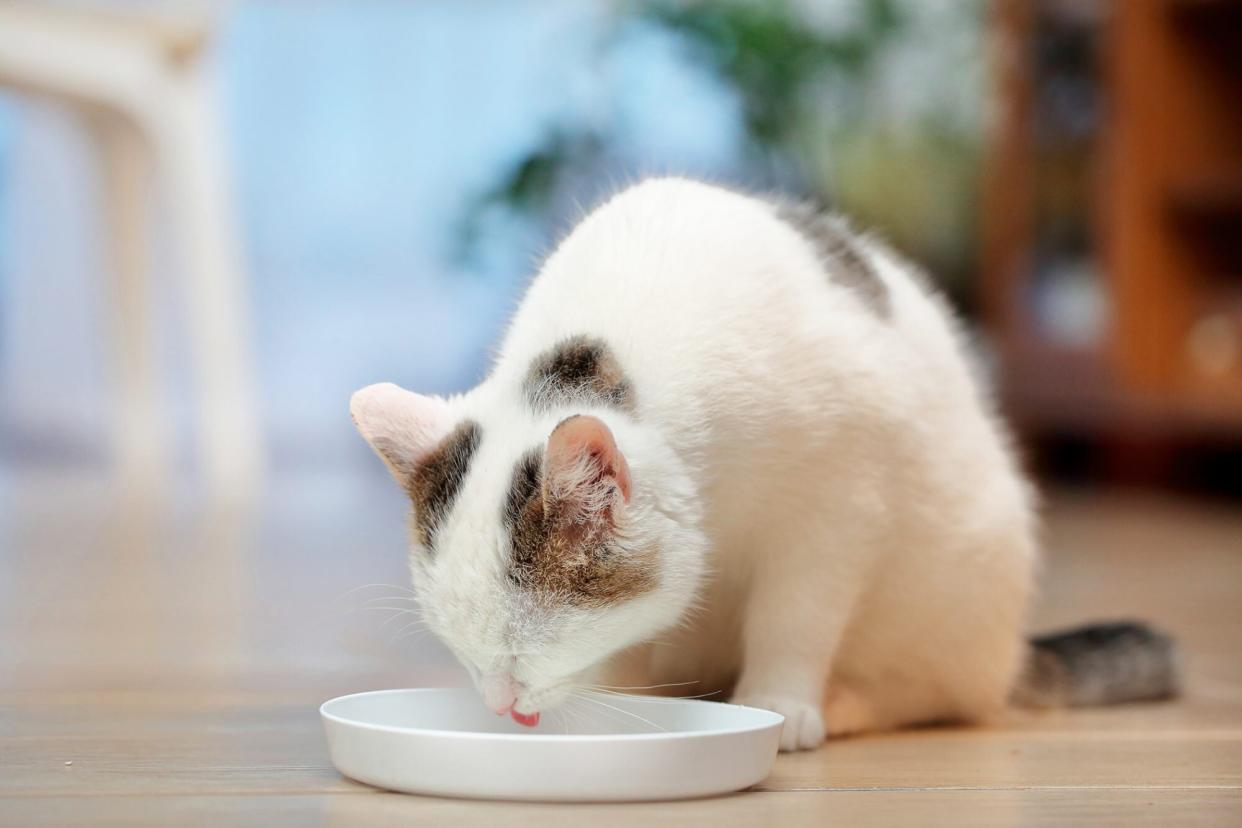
pixel 523 719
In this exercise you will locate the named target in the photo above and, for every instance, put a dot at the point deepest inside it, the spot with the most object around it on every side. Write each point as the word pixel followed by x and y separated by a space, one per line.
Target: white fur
pixel 843 536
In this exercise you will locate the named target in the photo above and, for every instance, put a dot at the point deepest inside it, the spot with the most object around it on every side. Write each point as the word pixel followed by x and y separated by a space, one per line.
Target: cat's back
pixel 702 291
pixel 665 250
pixel 676 272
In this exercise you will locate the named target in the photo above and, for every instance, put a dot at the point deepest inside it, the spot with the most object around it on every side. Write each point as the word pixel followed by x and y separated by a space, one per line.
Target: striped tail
pixel 1098 664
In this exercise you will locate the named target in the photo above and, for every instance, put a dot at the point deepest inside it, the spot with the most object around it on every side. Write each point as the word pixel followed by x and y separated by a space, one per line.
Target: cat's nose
pixel 499 692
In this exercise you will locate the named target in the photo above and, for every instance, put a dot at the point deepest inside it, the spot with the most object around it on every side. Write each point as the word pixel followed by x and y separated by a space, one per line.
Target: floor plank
pixel 161 666
pixel 260 748
pixel 789 810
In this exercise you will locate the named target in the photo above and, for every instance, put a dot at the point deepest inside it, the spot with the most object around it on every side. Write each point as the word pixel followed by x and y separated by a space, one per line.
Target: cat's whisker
pixel 400 613
pixel 642 686
pixel 564 716
pixel 645 721
pixel 347 593
pixel 653 699
pixel 414 636
pixel 398 598
pixel 587 713
pixel 396 613
pixel 574 716
pixel 417 624
pixel 394 609
pixel 408 633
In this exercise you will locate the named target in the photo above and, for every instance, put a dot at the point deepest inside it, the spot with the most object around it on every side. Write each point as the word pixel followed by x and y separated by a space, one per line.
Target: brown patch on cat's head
pixel 562 513
pixel 578 369
pixel 435 480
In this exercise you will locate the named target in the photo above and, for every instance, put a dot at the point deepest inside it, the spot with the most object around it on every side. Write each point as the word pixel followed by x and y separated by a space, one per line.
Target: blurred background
pixel 218 220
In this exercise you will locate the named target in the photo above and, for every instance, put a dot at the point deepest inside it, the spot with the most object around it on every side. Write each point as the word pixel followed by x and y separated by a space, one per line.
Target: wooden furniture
pixel 138 82
pixel 1113 222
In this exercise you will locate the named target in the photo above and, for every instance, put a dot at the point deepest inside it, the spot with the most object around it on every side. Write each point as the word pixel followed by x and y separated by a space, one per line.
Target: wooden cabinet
pixel 1113 224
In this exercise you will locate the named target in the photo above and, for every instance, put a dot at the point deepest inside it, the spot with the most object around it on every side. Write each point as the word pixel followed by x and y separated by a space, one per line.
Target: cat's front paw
pixel 804 724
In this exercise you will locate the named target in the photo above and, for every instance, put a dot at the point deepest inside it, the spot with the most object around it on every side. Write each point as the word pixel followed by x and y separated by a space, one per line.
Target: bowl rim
pixel 774 720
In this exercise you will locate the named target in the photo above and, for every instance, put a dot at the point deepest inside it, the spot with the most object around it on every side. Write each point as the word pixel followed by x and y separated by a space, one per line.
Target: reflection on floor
pixel 161 666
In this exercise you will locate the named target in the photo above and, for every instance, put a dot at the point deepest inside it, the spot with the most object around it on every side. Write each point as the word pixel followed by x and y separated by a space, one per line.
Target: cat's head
pixel 541 544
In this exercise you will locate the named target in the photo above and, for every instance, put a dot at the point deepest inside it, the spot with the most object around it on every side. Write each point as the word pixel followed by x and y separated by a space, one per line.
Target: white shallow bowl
pixel 445 742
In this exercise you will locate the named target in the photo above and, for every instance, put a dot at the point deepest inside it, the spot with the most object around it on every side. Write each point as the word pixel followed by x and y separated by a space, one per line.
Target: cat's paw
pixel 804 724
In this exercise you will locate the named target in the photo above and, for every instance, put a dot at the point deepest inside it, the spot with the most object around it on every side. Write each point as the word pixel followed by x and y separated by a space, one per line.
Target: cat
pixel 731 445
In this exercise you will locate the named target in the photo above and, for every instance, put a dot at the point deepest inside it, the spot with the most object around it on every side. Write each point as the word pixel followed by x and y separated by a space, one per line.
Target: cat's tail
pixel 1098 664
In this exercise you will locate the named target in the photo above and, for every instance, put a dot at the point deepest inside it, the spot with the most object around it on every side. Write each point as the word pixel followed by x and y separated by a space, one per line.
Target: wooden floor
pixel 160 666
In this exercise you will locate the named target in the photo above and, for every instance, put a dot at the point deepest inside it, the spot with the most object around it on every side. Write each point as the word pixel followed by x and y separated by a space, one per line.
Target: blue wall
pixel 360 133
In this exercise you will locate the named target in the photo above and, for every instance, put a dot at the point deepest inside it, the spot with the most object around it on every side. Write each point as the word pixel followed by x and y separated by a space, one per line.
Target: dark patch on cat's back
pixel 559 558
pixel 838 247
pixel 578 369
pixel 436 480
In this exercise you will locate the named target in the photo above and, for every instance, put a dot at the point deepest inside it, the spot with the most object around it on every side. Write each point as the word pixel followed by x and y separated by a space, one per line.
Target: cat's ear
pixel 400 425
pixel 586 478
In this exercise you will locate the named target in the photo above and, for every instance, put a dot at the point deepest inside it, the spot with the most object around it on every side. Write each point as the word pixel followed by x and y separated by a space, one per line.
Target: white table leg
pixel 186 138
pixel 141 424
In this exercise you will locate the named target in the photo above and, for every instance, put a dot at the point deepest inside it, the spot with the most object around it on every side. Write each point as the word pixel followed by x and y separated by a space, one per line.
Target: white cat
pixel 734 445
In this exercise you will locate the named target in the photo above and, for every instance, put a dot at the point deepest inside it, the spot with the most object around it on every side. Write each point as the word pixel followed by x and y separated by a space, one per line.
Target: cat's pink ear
pixel 402 427
pixel 585 475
